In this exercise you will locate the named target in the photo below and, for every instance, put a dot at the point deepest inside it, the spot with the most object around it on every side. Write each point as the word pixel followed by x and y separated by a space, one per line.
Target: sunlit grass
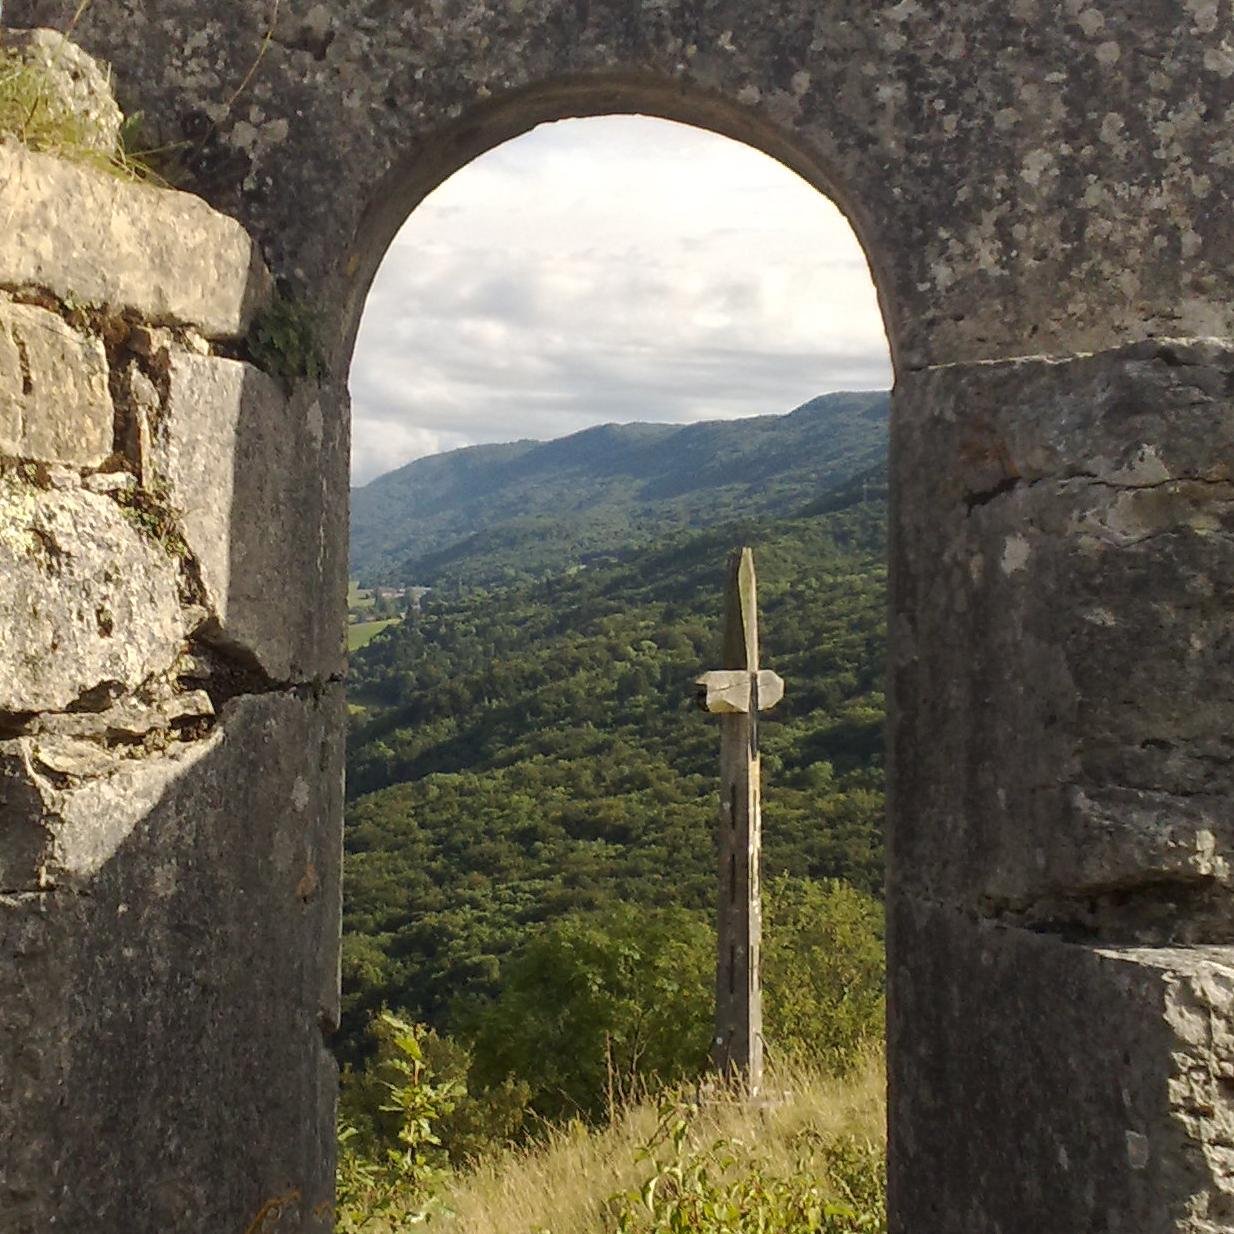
pixel 363 632
pixel 562 1185
pixel 33 111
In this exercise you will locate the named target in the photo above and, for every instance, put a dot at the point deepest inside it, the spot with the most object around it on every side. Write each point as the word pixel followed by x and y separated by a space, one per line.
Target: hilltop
pixel 527 509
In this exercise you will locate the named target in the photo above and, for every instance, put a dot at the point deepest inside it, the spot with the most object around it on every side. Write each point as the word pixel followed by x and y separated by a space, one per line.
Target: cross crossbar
pixel 728 691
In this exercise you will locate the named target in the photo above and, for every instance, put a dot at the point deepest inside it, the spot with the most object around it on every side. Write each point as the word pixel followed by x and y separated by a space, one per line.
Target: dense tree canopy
pixel 531 751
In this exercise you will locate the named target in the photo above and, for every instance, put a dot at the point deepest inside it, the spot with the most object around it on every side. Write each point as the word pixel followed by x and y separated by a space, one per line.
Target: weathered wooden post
pixel 737 694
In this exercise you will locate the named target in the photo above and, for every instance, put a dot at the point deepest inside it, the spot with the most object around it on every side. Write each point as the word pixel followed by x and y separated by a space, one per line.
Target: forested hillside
pixel 532 803
pixel 501 513
pixel 524 752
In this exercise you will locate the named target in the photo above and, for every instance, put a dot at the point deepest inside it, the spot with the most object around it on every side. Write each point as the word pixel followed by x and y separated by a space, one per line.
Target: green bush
pixel 824 971
pixel 604 1006
pixel 390 1156
pixel 284 341
pixel 725 1187
pixel 483 1119
pixel 599 1007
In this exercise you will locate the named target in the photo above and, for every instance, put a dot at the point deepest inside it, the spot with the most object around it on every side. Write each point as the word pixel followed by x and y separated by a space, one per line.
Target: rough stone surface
pixel 76 82
pixel 164 256
pixel 1047 177
pixel 1114 1113
pixel 88 604
pixel 54 402
pixel 1064 641
pixel 1039 179
pixel 57 839
pixel 243 464
pixel 188 971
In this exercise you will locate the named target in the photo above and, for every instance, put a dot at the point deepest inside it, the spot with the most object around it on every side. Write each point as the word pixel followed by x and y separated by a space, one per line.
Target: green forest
pixel 529 876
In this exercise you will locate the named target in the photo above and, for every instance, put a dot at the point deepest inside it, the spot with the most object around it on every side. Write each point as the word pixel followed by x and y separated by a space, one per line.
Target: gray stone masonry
pixel 178 962
pixel 166 258
pixel 1042 189
pixel 1118 1104
pixel 172 581
pixel 54 400
pixel 1062 659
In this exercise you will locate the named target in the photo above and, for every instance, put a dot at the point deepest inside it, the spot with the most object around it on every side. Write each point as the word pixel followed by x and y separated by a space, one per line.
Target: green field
pixel 357 596
pixel 363 632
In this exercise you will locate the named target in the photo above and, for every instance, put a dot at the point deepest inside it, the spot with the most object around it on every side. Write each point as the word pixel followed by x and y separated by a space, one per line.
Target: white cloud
pixel 608 269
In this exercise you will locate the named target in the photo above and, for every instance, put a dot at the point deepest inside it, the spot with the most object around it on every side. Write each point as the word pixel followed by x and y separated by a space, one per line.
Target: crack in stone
pixel 1169 351
pixel 36 894
pixel 1156 909
pixel 1148 486
pixel 983 497
pixel 1113 915
pixel 27 381
pixel 976 498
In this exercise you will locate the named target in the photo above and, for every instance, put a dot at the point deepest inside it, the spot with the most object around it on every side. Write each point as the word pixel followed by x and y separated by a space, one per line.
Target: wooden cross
pixel 737 694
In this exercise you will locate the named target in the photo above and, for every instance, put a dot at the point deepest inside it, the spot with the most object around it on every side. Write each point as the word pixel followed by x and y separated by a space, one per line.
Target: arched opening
pixel 1058 304
pixel 525 763
pixel 485 127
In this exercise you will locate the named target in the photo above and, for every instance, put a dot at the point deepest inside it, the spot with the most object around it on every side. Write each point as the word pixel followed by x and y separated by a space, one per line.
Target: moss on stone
pixel 284 341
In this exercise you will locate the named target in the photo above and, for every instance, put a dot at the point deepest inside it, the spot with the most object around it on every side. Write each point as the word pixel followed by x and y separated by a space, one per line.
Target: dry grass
pixel 34 112
pixel 560 1186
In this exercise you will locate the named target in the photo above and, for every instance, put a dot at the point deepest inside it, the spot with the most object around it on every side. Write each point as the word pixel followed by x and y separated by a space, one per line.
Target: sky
pixel 609 269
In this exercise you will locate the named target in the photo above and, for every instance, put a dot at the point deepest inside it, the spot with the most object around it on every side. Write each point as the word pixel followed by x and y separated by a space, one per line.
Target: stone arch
pixel 491 123
pixel 1040 190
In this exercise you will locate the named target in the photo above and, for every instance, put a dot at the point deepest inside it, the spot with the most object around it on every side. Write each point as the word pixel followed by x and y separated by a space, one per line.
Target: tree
pixel 824 970
pixel 597 1006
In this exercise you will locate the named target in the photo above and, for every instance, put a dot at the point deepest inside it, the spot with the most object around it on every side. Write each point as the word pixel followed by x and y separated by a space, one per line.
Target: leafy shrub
pixel 599 1007
pixel 390 1156
pixel 482 1119
pixel 283 340
pixel 604 1006
pixel 725 1187
pixel 824 970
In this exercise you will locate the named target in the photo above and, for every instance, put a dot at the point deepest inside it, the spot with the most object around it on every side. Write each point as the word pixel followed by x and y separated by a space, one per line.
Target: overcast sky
pixel 609 269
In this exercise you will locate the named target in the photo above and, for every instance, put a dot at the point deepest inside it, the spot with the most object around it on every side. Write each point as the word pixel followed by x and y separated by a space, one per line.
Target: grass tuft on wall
pixel 34 112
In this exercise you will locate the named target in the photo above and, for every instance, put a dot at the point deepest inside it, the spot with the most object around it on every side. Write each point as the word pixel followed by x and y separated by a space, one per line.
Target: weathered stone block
pixel 166 256
pixel 70 799
pixel 54 401
pixel 1063 680
pixel 163 1019
pixel 1039 1086
pixel 88 603
pixel 242 462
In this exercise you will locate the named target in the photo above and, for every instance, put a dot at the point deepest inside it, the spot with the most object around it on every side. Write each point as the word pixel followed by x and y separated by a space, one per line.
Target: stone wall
pixel 171 578
pixel 1062 976
pixel 1041 187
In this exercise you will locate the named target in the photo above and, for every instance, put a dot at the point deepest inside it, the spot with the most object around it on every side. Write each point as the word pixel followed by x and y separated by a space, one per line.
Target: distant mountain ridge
pixel 492 513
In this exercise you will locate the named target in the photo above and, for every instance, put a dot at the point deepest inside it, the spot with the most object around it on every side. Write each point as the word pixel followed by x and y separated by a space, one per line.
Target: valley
pixel 532 790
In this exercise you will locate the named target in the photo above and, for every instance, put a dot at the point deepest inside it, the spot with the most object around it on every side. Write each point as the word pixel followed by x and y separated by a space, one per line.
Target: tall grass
pixel 564 1184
